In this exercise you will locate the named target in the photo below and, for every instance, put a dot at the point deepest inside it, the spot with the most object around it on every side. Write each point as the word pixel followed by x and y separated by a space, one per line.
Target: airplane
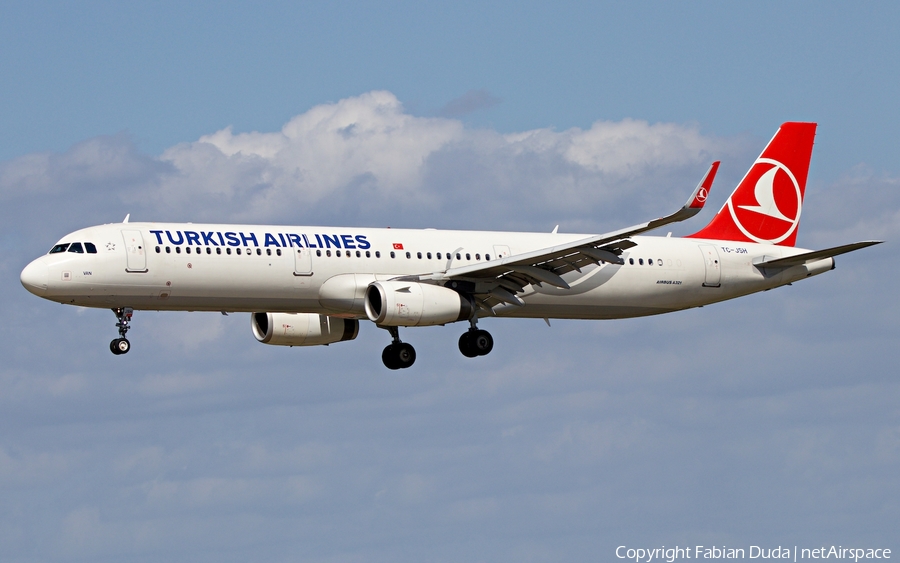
pixel 310 286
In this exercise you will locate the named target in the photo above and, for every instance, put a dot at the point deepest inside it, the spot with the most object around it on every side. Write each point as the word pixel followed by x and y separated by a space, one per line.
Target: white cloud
pixel 366 160
pixel 471 101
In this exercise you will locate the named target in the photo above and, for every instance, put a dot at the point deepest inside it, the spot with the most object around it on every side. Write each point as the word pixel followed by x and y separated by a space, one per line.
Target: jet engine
pixel 302 329
pixel 395 303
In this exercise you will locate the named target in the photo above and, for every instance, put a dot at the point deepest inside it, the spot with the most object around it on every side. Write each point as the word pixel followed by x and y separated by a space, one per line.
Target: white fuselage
pixel 252 268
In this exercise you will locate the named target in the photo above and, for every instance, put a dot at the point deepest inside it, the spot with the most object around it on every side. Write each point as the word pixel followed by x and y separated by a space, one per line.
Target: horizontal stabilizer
pixel 808 257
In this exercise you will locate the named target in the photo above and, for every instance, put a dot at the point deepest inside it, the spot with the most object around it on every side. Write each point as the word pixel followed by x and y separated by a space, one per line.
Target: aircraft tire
pixel 482 342
pixel 389 357
pixel 119 346
pixel 405 355
pixel 466 345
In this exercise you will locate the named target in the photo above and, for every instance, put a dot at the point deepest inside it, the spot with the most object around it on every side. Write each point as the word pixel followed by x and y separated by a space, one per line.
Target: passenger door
pixel 134 251
pixel 713 276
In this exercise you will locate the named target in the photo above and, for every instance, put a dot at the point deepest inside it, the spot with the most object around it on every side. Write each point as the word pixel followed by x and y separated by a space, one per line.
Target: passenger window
pixel 358 254
pixel 318 253
pixel 177 250
pixel 392 254
pixel 157 250
pixel 168 250
pixel 278 251
pixel 487 256
pixel 458 257
pixel 377 254
pixel 59 248
pixel 91 249
pixel 228 251
pixel 218 250
pixel 408 255
pixel 208 250
pixel 337 253
pixel 76 248
pixel 419 255
pixel 428 256
pixel 368 254
pixel 659 262
pixel 259 252
pixel 187 250
pixel 237 251
pixel 328 253
pixel 641 261
pixel 478 256
pixel 438 255
pixel 631 261
pixel 468 256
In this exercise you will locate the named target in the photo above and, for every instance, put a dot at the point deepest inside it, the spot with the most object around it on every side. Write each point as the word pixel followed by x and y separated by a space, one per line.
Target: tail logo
pixel 771 212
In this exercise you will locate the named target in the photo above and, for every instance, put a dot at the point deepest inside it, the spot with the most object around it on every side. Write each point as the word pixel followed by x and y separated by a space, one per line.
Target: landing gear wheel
pixel 398 356
pixel 406 355
pixel 476 343
pixel 483 342
pixel 119 346
pixel 389 357
pixel 465 345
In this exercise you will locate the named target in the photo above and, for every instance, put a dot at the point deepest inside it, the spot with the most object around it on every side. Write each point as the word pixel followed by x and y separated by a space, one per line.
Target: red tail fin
pixel 765 207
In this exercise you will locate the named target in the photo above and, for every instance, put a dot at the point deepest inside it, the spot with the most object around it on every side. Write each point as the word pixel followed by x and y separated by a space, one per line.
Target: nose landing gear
pixel 121 345
pixel 397 355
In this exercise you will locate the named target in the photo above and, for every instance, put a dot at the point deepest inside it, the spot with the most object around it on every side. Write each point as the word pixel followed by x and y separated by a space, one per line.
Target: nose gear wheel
pixel 121 345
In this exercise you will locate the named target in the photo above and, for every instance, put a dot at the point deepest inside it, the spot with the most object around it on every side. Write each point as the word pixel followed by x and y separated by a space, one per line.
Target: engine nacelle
pixel 394 303
pixel 302 329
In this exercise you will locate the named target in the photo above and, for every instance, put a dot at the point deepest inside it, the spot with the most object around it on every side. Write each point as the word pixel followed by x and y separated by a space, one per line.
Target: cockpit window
pixel 75 247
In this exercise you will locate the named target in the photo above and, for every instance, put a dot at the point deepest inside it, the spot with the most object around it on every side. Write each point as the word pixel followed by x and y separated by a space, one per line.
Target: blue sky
pixel 764 421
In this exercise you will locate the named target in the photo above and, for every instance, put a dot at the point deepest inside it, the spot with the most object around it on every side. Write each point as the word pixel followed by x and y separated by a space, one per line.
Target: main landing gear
pixel 121 345
pixel 398 355
pixel 475 342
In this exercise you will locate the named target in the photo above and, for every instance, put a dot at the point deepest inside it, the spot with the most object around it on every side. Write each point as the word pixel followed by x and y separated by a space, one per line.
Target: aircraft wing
pixel 510 275
pixel 808 257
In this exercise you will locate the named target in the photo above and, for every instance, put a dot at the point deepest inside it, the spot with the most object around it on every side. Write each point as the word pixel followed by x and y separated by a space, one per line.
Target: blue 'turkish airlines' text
pixel 280 240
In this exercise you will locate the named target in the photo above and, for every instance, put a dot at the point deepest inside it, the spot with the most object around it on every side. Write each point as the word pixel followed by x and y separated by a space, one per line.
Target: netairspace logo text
pixel 795 553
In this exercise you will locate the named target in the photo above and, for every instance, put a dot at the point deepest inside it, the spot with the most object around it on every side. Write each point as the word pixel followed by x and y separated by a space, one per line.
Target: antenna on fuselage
pixel 126 218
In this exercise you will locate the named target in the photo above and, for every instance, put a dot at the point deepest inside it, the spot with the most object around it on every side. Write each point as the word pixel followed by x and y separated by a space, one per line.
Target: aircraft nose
pixel 35 277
